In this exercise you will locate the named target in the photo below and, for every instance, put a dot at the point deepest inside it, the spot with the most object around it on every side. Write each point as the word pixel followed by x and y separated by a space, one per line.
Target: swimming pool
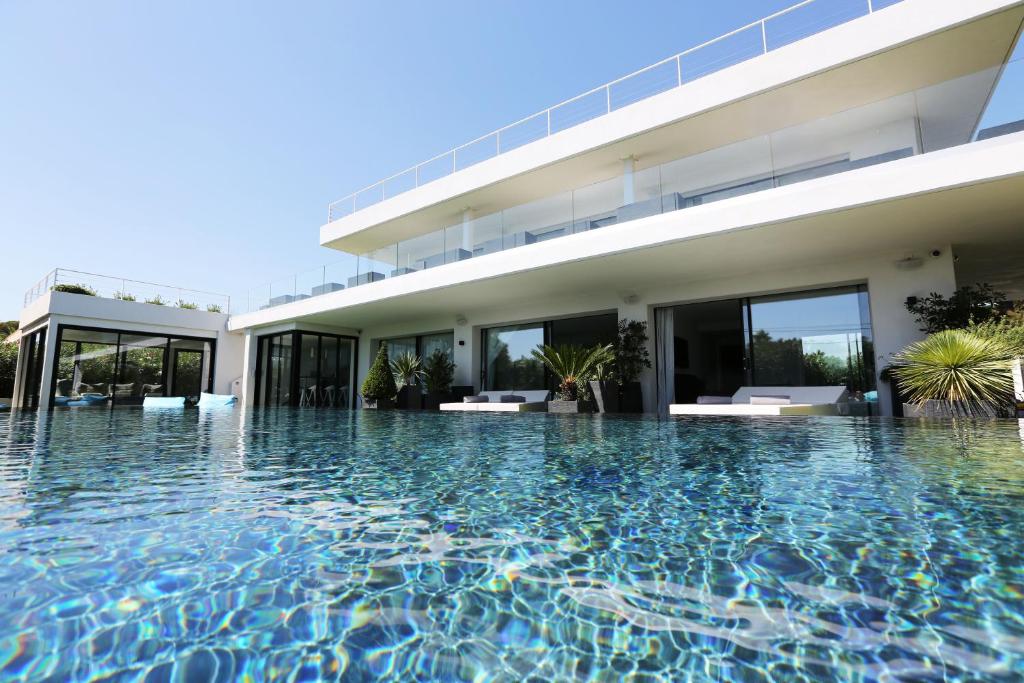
pixel 402 546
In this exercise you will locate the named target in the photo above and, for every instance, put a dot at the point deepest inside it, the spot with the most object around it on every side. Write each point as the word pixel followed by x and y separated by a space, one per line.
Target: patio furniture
pixel 308 396
pixel 327 288
pixel 327 396
pixel 768 401
pixel 163 402
pixel 216 400
pixel 365 278
pixel 533 401
pixel 124 390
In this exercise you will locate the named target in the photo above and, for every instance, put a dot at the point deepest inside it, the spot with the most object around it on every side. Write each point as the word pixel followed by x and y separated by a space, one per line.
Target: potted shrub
pixel 573 366
pixel 379 388
pixel 605 389
pixel 631 358
pixel 407 370
pixel 75 289
pixel 438 375
pixel 955 373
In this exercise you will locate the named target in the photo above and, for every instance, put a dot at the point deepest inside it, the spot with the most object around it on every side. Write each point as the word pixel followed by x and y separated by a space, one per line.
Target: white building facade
pixel 766 204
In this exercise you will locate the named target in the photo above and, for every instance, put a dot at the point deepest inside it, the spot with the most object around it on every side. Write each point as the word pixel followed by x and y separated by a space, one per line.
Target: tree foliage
pixel 406 368
pixel 630 351
pixel 969 305
pixel 573 365
pixel 380 382
pixel 439 371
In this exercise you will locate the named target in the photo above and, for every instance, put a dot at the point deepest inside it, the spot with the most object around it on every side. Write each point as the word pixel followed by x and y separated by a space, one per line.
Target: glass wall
pixel 818 338
pixel 813 338
pixel 508 361
pixel 34 355
pixel 97 367
pixel 305 369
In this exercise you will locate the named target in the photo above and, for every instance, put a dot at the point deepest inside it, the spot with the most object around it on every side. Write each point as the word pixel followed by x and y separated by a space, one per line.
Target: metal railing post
pixel 870 8
pixel 549 121
pixel 608 98
pixel 764 38
pixel 679 70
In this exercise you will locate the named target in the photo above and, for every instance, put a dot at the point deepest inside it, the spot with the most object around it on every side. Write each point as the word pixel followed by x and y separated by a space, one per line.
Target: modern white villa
pixel 767 203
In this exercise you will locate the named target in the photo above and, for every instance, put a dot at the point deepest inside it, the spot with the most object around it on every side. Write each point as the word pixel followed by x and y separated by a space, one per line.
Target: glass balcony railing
pixel 110 287
pixel 976 106
pixel 760 37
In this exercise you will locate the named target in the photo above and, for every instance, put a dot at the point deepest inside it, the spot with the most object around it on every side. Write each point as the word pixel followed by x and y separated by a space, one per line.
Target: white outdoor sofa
pixel 769 401
pixel 536 402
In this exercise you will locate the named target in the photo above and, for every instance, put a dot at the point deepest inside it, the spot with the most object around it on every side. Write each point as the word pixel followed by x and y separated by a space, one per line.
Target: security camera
pixel 935 253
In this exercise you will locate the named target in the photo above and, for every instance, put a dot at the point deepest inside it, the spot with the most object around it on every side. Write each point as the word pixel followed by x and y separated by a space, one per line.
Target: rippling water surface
pixel 330 545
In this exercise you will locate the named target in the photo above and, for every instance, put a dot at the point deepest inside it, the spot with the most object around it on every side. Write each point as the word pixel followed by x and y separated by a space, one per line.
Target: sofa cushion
pixel 769 400
pixel 475 399
pixel 512 398
pixel 714 400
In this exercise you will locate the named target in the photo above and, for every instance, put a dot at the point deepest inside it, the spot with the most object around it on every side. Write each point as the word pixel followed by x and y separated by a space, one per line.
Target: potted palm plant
pixel 407 370
pixel 438 375
pixel 379 388
pixel 573 366
pixel 955 373
pixel 631 358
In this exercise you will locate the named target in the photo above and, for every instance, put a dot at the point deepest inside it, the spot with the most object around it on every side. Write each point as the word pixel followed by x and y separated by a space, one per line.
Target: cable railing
pixel 106 286
pixel 769 33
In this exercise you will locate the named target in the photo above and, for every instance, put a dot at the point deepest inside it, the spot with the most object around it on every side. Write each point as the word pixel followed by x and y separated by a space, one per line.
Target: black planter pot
pixel 631 398
pixel 606 395
pixel 378 403
pixel 433 400
pixel 566 407
pixel 410 398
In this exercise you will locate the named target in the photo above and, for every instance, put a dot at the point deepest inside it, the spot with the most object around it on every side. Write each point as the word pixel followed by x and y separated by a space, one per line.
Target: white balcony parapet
pixel 757 38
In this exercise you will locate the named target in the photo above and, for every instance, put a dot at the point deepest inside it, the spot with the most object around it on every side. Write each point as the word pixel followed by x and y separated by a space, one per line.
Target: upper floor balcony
pixel 701 105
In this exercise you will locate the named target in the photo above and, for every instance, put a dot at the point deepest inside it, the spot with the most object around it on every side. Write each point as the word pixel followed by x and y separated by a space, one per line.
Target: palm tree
pixel 573 365
pixel 406 368
pixel 964 370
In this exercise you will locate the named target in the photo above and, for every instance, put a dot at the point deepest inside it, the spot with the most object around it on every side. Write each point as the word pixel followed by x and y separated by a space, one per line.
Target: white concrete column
pixel 633 307
pixel 248 397
pixel 19 372
pixel 466 353
pixel 48 355
pixel 628 187
pixel 468 238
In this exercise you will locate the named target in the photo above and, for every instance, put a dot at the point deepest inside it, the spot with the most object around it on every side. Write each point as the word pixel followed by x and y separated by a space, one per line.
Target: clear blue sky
pixel 198 143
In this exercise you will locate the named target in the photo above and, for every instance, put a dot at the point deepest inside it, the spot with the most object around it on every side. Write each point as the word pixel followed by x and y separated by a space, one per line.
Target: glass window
pixel 309 373
pixel 190 366
pixel 34 355
pixel 812 338
pixel 508 360
pixel 396 347
pixel 346 373
pixel 279 370
pixel 585 331
pixel 140 368
pixel 431 342
pixel 86 367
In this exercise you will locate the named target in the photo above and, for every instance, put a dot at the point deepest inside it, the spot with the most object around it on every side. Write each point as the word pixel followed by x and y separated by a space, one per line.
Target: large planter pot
pixel 378 403
pixel 410 398
pixel 631 400
pixel 606 395
pixel 433 400
pixel 568 407
pixel 947 409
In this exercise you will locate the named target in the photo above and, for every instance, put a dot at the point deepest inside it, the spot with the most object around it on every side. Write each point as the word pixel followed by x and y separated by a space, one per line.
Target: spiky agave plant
pixel 406 368
pixel 954 366
pixel 573 365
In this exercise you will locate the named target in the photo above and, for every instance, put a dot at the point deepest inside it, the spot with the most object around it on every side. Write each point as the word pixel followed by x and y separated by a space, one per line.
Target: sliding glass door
pixel 305 369
pixel 99 367
pixel 813 338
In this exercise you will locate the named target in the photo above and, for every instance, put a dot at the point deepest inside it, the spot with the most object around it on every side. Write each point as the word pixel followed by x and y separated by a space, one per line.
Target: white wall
pixel 888 287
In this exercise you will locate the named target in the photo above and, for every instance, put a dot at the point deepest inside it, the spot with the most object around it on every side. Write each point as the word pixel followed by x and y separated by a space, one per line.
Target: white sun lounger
pixel 801 401
pixel 536 402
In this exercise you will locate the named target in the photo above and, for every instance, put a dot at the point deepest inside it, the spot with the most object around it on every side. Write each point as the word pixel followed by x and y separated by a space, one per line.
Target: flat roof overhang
pixel 969 194
pixel 911 45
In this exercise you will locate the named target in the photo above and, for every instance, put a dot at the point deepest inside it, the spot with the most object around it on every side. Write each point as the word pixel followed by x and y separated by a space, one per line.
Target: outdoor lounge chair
pixel 163 402
pixel 768 401
pixel 534 401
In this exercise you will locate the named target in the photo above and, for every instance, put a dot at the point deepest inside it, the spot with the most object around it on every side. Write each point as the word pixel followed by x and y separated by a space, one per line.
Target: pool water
pixel 305 545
